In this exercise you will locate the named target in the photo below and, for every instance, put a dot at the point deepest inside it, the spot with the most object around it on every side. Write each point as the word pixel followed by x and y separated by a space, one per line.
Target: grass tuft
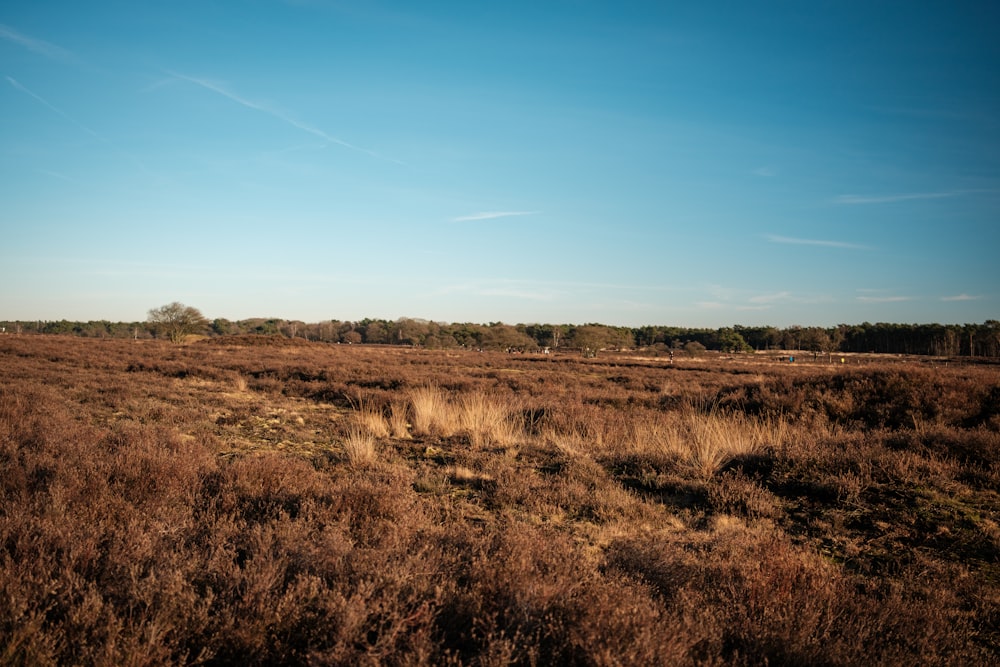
pixel 359 446
pixel 487 420
pixel 370 419
pixel 399 427
pixel 703 444
pixel 433 413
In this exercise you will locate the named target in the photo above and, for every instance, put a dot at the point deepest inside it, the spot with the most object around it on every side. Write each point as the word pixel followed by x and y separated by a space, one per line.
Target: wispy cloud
pixel 514 289
pixel 883 299
pixel 773 238
pixel 38 46
pixel 24 89
pixel 517 293
pixel 56 174
pixel 740 300
pixel 893 198
pixel 718 305
pixel 961 297
pixel 552 290
pixel 41 100
pixel 491 215
pixel 771 298
pixel 280 115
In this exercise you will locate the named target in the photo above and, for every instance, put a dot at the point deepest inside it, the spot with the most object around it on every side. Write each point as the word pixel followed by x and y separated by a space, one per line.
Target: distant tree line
pixel 981 340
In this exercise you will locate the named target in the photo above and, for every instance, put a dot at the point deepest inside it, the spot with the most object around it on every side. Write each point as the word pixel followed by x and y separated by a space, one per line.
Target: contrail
pixel 490 215
pixel 41 100
pixel 17 84
pixel 37 45
pixel 890 199
pixel 294 122
pixel 818 242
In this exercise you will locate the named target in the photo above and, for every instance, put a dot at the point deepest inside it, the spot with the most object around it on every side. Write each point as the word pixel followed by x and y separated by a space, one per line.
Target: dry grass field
pixel 248 500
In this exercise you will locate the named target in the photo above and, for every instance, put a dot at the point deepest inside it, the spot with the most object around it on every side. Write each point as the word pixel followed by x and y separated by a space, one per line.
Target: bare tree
pixel 176 320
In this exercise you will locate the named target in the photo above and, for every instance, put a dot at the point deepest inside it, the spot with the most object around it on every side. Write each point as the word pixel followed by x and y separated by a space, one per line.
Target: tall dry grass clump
pixel 703 443
pixel 359 446
pixel 488 420
pixel 240 383
pixel 370 419
pixel 717 439
pixel 399 426
pixel 433 413
pixel 656 437
pixel 482 417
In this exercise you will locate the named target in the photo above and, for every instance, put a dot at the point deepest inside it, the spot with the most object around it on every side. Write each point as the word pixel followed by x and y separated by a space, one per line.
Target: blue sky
pixel 690 164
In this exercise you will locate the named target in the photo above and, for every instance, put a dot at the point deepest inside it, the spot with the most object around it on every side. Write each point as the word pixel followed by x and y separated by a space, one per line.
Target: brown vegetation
pixel 255 504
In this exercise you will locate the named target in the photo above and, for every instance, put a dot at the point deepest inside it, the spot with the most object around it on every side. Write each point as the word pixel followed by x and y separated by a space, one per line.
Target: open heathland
pixel 261 500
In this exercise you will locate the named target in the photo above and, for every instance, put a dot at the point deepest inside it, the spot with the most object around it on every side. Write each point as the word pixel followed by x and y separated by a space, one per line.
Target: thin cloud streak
pixel 24 89
pixel 961 297
pixel 738 301
pixel 20 86
pixel 770 298
pixel 518 294
pixel 562 286
pixel 120 268
pixel 491 215
pixel 294 122
pixel 517 289
pixel 38 46
pixel 56 174
pixel 890 199
pixel 817 242
pixel 883 299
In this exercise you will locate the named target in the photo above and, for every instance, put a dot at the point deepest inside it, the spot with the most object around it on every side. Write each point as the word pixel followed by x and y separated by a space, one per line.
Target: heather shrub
pixel 361 505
